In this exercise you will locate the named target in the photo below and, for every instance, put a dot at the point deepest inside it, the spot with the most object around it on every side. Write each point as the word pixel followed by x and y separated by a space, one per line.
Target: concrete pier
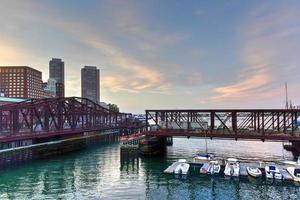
pixel 294 147
pixel 18 155
pixel 152 146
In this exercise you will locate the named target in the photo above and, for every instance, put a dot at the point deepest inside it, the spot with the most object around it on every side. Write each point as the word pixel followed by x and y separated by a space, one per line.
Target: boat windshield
pixel 297 172
pixel 272 168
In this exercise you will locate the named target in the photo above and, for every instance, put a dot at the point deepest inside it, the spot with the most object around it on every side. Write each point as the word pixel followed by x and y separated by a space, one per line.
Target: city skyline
pixel 175 55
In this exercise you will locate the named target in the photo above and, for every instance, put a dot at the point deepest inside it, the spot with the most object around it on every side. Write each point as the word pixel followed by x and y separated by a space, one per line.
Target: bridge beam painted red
pixel 42 118
pixel 256 124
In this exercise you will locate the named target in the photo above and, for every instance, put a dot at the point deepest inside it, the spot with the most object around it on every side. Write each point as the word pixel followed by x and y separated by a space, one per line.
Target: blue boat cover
pixel 272 168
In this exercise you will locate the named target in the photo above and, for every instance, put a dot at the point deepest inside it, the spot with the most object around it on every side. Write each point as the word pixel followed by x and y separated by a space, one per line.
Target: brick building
pixel 21 82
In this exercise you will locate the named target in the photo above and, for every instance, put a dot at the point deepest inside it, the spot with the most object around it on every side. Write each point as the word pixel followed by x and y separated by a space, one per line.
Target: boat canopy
pixel 296 171
pixel 272 168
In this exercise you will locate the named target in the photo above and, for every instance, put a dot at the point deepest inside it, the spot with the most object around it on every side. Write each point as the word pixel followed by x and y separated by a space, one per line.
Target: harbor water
pixel 103 172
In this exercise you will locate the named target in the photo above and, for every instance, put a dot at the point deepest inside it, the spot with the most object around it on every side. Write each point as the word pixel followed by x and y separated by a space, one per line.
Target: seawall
pixel 18 155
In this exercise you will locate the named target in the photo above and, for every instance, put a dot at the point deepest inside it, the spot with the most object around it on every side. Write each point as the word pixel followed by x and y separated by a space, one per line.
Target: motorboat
pixel 272 172
pixel 182 167
pixel 214 167
pixel 232 167
pixel 254 171
pixel 294 172
pixel 204 157
pixel 205 168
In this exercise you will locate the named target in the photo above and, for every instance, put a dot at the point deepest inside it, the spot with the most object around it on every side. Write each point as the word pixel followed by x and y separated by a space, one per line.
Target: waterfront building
pixel 21 82
pixel 57 72
pixel 90 83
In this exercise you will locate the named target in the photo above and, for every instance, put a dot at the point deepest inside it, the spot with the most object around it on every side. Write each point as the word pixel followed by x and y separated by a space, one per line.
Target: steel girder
pixel 58 116
pixel 238 123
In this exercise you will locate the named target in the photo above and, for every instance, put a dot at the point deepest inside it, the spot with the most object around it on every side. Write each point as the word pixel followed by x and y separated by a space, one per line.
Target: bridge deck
pixel 221 135
pixel 253 124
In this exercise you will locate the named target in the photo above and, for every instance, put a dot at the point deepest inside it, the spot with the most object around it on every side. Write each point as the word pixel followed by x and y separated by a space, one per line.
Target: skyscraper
pixel 90 83
pixel 57 72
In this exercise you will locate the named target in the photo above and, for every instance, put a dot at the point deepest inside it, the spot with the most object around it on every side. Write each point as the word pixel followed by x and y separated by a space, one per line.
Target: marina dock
pixel 286 176
pixel 243 167
pixel 243 170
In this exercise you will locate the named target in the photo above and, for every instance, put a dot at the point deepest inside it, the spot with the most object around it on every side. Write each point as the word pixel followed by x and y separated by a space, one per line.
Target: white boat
pixel 214 167
pixel 294 172
pixel 273 172
pixel 254 171
pixel 232 167
pixel 205 168
pixel 182 167
pixel 204 157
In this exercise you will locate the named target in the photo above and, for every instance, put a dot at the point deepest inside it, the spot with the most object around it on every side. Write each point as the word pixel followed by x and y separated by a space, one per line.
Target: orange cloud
pixel 264 47
pixel 8 54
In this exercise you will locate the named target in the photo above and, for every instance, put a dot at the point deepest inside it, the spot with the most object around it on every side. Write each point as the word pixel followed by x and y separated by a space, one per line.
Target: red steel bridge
pixel 256 124
pixel 45 118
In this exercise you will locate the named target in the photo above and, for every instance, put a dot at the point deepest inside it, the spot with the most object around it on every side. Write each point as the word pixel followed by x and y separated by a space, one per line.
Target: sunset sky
pixel 162 54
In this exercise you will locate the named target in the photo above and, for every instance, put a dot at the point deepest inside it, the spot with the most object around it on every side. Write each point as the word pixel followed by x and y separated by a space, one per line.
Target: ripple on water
pixel 100 172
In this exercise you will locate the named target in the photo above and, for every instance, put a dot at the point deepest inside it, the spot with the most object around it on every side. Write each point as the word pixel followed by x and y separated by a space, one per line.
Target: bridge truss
pixel 37 118
pixel 263 124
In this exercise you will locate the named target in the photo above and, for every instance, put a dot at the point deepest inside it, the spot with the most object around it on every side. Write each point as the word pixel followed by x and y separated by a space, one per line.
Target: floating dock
pixel 243 170
pixel 286 176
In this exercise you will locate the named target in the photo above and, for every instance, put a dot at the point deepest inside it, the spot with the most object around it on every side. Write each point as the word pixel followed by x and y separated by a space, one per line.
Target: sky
pixel 162 54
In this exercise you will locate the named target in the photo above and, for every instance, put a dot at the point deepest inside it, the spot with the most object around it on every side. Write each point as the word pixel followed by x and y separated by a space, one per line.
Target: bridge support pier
pixel 294 148
pixel 152 146
pixel 169 141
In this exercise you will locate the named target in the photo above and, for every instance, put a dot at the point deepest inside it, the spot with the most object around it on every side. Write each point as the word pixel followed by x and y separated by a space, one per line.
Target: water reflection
pixel 106 172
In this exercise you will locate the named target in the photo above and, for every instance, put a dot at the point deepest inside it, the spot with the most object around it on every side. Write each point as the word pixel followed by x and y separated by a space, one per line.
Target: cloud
pixel 130 22
pixel 267 47
pixel 127 71
pixel 144 77
pixel 242 89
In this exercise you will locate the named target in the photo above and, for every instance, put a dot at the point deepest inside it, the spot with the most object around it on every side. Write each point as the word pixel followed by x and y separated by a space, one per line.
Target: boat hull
pixel 183 168
pixel 254 172
pixel 291 170
pixel 204 169
pixel 272 172
pixel 231 170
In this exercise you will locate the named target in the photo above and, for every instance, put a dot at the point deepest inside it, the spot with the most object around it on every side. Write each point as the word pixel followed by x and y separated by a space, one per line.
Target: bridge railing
pixel 238 122
pixel 58 115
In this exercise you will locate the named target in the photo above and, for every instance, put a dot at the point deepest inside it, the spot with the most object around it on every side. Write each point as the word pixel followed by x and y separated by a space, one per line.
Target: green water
pixel 102 172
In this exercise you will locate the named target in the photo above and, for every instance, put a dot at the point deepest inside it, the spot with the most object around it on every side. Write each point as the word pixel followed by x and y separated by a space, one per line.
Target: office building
pixel 90 83
pixel 50 88
pixel 21 82
pixel 57 72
